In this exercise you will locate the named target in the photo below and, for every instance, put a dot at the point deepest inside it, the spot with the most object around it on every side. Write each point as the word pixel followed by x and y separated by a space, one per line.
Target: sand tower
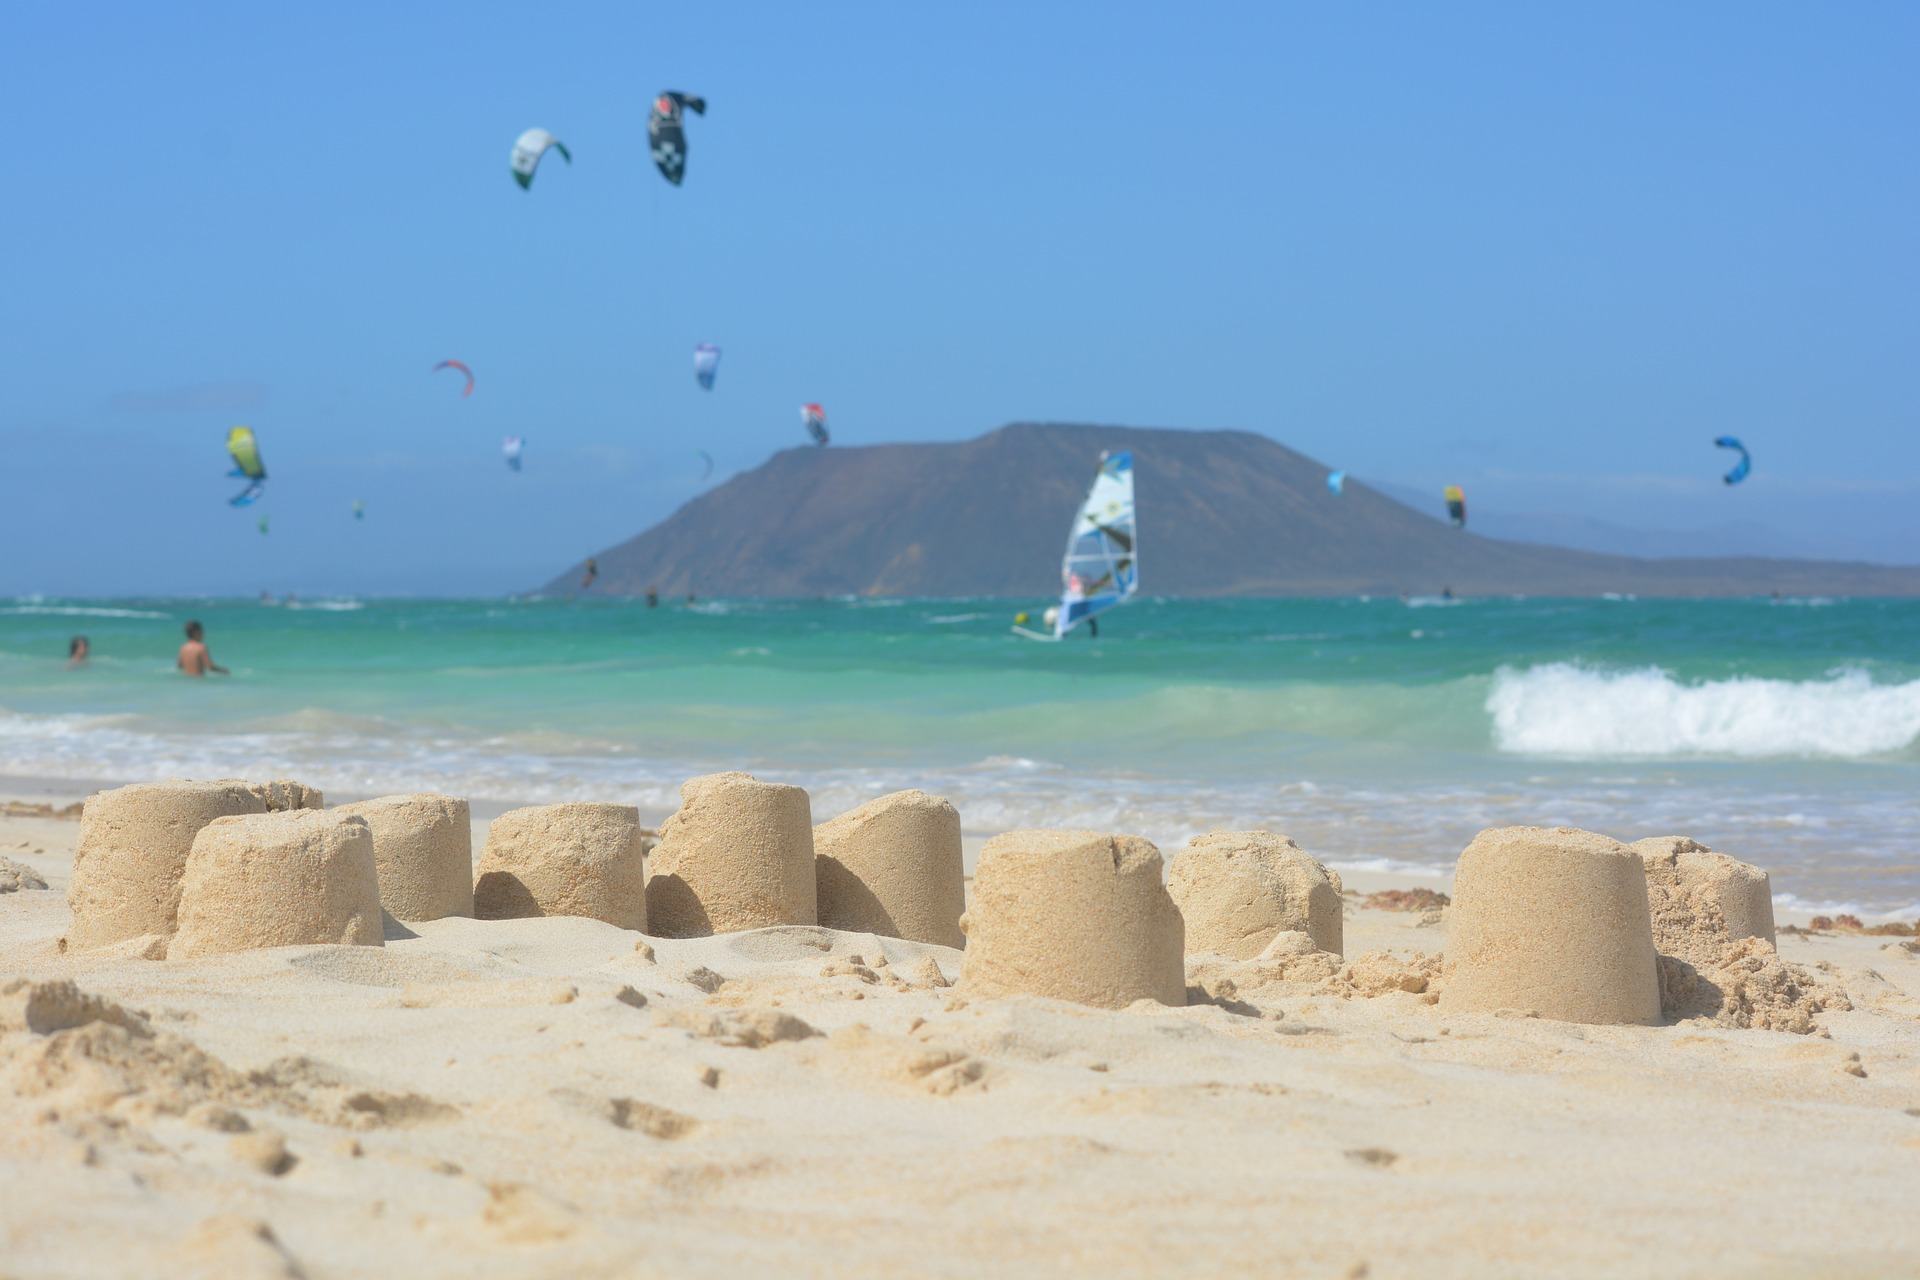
pixel 564 860
pixel 278 880
pixel 1236 890
pixel 1694 891
pixel 133 849
pixel 423 845
pixel 1077 915
pixel 1553 920
pixel 892 867
pixel 737 854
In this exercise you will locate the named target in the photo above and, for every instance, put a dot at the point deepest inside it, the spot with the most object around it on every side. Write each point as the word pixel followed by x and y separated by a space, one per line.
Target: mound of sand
pixel 1552 920
pixel 284 879
pixel 565 860
pixel 737 854
pixel 15 876
pixel 1238 890
pixel 1077 915
pixel 423 846
pixel 893 867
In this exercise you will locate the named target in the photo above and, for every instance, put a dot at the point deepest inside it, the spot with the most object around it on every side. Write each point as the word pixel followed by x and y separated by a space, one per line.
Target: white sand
pixel 538 1097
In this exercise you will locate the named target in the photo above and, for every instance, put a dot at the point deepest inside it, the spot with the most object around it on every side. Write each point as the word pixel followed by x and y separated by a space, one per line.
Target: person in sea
pixel 194 659
pixel 77 651
pixel 593 571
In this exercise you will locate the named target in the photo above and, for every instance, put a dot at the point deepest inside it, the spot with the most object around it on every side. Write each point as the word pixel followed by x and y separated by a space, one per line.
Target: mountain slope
pixel 1221 513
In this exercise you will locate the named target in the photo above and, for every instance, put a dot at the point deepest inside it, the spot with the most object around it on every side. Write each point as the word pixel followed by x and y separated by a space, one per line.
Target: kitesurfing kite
pixel 1101 568
pixel 461 365
pixel 527 150
pixel 1336 481
pixel 245 451
pixel 1456 505
pixel 510 450
pixel 706 362
pixel 667 137
pixel 1741 467
pixel 814 419
pixel 708 459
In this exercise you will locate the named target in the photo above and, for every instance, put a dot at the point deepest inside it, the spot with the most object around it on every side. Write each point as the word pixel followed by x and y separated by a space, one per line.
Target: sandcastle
pixel 1717 951
pixel 737 854
pixel 1554 921
pixel 423 845
pixel 1238 890
pixel 564 860
pixel 278 880
pixel 893 867
pixel 1694 891
pixel 1077 915
pixel 133 850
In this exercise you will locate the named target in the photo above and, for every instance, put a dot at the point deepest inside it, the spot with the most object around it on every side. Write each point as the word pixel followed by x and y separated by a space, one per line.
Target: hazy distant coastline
pixel 1222 513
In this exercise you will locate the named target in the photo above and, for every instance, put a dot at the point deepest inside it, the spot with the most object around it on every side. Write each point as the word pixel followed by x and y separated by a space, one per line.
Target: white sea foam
pixel 81 611
pixel 327 606
pixel 1568 710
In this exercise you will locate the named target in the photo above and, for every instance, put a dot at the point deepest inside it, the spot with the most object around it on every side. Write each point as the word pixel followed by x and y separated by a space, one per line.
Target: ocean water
pixel 1380 733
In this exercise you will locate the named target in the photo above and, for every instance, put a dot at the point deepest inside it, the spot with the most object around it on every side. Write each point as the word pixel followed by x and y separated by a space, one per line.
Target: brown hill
pixel 1220 513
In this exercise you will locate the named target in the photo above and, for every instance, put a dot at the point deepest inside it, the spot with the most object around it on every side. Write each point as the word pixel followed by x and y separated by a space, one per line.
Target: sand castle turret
pixel 1238 890
pixel 564 860
pixel 1552 920
pixel 133 850
pixel 1077 915
pixel 893 867
pixel 423 845
pixel 1694 891
pixel 278 880
pixel 737 854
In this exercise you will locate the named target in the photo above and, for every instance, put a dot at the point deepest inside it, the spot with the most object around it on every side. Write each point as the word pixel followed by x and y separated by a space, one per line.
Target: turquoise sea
pixel 1380 733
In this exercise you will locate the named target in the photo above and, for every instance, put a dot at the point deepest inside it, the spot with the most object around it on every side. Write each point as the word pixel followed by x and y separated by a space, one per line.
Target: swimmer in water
pixel 195 659
pixel 77 651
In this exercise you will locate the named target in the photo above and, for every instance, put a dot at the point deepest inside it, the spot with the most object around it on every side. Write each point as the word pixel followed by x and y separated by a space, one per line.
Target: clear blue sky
pixel 1544 251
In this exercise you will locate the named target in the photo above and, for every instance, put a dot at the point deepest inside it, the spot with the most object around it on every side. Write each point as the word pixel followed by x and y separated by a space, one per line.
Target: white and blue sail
pixel 1102 564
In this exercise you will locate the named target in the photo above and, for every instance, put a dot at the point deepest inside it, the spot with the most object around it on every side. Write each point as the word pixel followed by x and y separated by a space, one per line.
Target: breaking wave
pixel 1563 709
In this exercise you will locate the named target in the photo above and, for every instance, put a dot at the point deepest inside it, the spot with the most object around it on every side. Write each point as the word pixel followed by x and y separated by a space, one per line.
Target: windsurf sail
pixel 1102 564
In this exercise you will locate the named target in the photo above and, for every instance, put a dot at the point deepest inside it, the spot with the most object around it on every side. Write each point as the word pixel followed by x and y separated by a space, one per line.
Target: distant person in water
pixel 653 598
pixel 77 651
pixel 1446 593
pixel 593 571
pixel 194 660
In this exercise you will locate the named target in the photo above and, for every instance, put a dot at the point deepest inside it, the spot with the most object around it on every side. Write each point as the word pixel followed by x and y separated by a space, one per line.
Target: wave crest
pixel 1565 709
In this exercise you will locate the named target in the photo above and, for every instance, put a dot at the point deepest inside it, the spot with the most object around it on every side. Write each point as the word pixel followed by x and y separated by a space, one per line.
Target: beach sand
pixel 561 1097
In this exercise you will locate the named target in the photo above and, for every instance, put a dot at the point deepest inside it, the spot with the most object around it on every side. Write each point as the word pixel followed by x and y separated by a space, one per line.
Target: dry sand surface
pixel 561 1097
